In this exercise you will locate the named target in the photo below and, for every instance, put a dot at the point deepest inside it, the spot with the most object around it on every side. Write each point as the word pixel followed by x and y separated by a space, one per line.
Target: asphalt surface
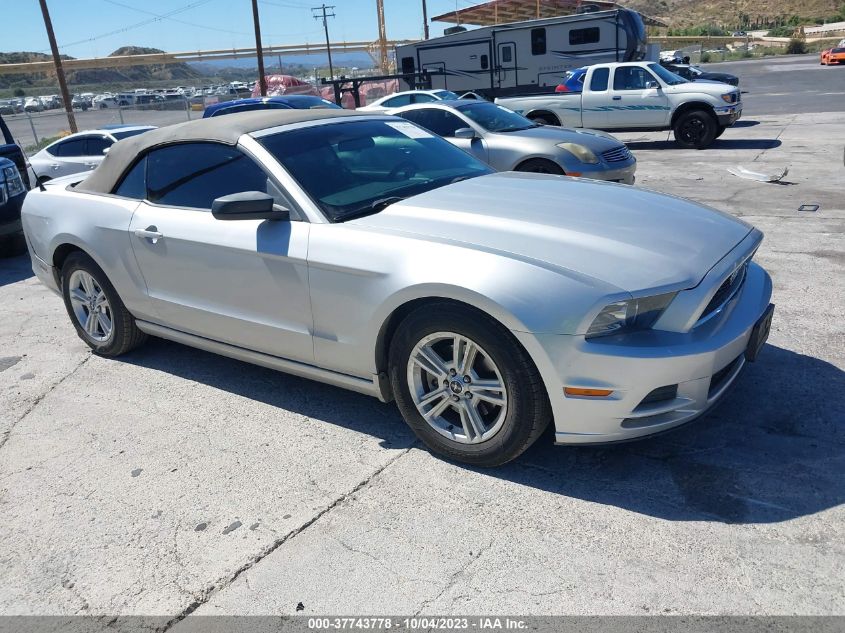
pixel 787 85
pixel 174 482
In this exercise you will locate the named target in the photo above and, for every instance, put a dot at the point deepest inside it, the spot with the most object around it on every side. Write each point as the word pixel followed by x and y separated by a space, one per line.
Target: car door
pixel 637 98
pixel 69 157
pixel 595 100
pixel 242 282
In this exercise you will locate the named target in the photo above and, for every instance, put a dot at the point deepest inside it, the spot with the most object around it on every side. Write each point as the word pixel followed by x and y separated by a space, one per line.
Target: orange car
pixel 833 56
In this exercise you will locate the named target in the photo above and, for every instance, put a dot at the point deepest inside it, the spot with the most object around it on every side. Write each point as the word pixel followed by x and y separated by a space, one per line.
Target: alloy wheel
pixel 90 306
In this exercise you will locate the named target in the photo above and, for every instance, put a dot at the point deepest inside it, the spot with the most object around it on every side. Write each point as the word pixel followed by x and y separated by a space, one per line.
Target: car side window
pixel 395 102
pixel 435 120
pixel 598 82
pixel 72 147
pixel 422 98
pixel 134 183
pixel 96 144
pixel 194 174
pixel 631 78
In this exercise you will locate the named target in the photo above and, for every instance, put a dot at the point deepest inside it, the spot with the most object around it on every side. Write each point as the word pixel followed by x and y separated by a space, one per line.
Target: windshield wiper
pixel 519 129
pixel 373 207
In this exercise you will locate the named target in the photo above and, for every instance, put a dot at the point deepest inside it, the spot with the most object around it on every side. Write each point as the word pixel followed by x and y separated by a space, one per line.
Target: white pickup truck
pixel 638 96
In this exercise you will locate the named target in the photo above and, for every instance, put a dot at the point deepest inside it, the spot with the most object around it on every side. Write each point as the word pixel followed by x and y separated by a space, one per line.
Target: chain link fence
pixel 35 130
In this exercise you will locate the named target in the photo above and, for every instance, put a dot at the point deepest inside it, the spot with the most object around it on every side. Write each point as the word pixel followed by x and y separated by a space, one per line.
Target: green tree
pixel 796 47
pixel 19 92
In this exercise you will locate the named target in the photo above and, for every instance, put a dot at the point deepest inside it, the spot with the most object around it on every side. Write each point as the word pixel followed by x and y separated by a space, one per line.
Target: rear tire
pixel 499 382
pixel 695 129
pixel 95 309
pixel 541 166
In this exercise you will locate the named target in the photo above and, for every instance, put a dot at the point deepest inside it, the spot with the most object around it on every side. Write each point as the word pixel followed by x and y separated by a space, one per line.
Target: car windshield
pixel 446 95
pixel 127 133
pixel 667 76
pixel 495 118
pixel 356 168
pixel 838 50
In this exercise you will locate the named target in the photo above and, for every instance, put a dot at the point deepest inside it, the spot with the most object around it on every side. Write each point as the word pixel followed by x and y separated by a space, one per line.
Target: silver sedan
pixel 366 252
pixel 507 141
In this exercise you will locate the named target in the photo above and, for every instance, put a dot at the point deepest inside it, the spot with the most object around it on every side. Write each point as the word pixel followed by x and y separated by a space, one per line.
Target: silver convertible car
pixel 507 141
pixel 366 252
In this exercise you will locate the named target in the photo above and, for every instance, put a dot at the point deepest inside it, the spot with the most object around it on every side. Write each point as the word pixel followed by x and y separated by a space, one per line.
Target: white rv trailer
pixel 525 57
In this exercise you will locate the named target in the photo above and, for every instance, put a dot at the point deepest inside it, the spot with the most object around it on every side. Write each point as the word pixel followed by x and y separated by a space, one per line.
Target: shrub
pixel 705 57
pixel 796 47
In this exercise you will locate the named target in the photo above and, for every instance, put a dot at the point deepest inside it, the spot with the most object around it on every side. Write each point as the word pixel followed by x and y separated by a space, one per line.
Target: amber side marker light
pixel 586 393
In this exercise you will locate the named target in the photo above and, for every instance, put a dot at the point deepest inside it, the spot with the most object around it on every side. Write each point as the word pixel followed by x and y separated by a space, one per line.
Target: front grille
pixel 725 291
pixel 661 394
pixel 617 154
pixel 719 377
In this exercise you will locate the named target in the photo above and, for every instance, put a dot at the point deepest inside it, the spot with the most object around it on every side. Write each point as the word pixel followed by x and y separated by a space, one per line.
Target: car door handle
pixel 149 233
pixel 90 164
pixel 617 98
pixel 54 165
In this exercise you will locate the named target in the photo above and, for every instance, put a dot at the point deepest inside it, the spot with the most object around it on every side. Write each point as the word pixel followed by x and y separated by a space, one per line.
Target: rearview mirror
pixel 248 205
pixel 466 133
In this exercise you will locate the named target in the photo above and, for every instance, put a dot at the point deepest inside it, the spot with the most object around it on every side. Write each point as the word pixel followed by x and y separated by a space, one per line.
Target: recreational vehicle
pixel 525 57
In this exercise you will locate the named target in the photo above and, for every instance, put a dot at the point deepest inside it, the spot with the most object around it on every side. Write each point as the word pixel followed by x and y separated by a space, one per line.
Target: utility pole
pixel 324 14
pixel 382 39
pixel 60 72
pixel 262 79
pixel 425 20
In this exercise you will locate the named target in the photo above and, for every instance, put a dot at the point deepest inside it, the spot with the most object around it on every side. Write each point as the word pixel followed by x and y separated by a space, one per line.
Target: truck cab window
pixel 598 82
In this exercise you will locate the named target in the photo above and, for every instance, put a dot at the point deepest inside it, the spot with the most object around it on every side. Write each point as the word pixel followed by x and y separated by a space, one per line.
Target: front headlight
pixel 629 315
pixel 729 97
pixel 580 152
pixel 14 184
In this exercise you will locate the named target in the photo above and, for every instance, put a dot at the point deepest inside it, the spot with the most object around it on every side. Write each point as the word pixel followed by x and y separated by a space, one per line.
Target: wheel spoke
pixel 88 284
pixel 91 322
pixel 101 299
pixel 105 322
pixel 492 391
pixel 464 354
pixel 432 396
pixel 77 296
pixel 437 409
pixel 471 421
pixel 431 362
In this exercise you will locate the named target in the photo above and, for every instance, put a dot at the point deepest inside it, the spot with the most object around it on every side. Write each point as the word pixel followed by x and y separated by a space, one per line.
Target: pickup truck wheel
pixel 541 166
pixel 95 309
pixel 721 130
pixel 543 119
pixel 695 129
pixel 465 386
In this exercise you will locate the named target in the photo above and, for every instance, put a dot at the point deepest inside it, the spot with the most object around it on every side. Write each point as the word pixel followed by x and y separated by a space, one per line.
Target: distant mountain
pixel 732 13
pixel 130 74
pixel 361 60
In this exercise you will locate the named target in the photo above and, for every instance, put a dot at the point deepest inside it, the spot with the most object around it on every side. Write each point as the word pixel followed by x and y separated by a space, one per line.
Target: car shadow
pixel 745 123
pixel 15 268
pixel 772 450
pixel 719 143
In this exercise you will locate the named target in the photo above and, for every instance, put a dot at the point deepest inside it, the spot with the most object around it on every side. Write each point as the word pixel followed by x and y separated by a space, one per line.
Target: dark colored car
pixel 14 183
pixel 694 73
pixel 287 102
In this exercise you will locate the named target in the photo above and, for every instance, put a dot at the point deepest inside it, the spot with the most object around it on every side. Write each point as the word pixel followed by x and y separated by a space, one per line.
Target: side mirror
pixel 248 205
pixel 652 84
pixel 466 133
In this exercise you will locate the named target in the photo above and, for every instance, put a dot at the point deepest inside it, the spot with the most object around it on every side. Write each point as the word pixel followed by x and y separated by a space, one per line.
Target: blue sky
pixel 93 28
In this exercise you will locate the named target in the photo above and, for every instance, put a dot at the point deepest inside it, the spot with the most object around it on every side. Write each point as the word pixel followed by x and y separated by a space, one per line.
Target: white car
pixel 104 101
pixel 399 99
pixel 80 152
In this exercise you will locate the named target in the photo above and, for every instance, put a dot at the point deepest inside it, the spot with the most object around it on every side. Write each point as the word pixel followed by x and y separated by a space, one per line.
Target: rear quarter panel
pixel 95 224
pixel 567 107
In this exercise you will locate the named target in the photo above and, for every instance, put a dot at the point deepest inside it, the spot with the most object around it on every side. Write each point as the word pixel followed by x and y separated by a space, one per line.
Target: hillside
pixel 133 74
pixel 731 14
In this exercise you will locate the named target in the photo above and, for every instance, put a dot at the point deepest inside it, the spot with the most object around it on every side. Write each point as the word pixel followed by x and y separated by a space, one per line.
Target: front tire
pixel 95 309
pixel 695 129
pixel 541 166
pixel 465 386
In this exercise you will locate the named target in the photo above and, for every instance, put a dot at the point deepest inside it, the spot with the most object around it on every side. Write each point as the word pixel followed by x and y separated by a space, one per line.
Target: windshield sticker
pixel 410 130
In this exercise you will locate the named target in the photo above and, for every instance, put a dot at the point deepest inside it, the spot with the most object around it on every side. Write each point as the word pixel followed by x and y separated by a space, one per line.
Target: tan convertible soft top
pixel 221 129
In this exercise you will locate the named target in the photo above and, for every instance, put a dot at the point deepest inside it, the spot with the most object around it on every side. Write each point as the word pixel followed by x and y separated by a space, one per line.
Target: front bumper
pixel 10 216
pixel 624 174
pixel 729 115
pixel 703 363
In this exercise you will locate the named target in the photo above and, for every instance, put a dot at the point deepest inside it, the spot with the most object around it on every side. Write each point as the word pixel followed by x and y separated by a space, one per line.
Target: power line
pixel 323 9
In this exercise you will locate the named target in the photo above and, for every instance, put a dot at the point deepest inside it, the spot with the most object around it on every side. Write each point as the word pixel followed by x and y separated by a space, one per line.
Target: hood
pixel 707 86
pixel 598 142
pixel 628 237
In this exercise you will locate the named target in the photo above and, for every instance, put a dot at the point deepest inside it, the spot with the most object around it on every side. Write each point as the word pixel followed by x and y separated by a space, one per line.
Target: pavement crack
pixel 8 432
pixel 210 590
pixel 453 579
